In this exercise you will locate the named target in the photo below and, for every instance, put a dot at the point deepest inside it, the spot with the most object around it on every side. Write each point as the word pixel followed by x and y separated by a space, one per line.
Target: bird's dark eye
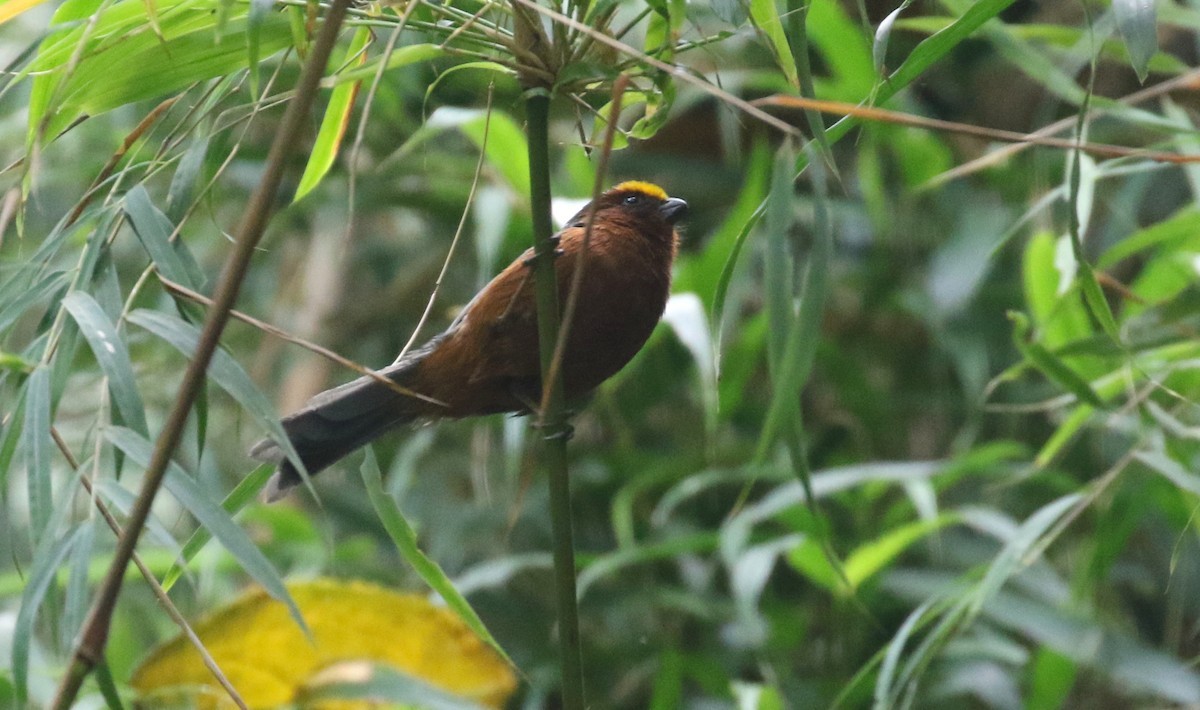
pixel 632 199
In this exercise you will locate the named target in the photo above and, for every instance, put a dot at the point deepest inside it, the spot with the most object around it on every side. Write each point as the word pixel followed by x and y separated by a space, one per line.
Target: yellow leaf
pixel 12 8
pixel 268 659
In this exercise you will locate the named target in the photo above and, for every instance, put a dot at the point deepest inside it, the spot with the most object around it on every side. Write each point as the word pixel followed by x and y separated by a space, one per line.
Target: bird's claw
pixel 565 433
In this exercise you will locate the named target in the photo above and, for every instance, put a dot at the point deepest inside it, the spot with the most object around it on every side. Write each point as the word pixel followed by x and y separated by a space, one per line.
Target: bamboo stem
pixel 553 417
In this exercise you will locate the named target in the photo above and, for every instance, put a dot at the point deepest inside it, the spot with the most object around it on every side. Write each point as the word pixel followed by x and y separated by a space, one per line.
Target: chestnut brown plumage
pixel 487 360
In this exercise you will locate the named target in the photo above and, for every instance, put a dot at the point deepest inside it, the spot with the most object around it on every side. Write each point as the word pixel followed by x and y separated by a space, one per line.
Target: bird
pixel 487 361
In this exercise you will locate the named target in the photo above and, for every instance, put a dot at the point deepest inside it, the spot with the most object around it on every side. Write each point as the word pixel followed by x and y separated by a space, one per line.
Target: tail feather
pixel 336 422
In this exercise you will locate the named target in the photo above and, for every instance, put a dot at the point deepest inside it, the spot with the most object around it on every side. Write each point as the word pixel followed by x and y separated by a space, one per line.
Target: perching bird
pixel 487 360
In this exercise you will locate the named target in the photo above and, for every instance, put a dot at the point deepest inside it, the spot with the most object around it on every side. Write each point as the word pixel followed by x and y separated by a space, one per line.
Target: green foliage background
pixel 986 378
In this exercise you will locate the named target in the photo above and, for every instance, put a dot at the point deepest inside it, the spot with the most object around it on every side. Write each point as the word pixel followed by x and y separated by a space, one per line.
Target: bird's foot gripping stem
pixel 562 430
pixel 557 251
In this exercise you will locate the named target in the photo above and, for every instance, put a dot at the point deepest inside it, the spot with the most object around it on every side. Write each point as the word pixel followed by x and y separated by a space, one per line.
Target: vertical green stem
pixel 553 419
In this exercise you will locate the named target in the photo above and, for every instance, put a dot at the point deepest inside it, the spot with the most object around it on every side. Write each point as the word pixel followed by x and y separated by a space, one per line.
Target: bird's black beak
pixel 673 210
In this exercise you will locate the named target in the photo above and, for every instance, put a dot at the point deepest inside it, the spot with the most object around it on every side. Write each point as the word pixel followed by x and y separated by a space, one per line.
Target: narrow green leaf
pixel 405 539
pixel 10 362
pixel 1175 232
pixel 883 34
pixel 1049 363
pixel 238 498
pixel 190 50
pixel 108 686
pixel 797 351
pixel 36 446
pixel 187 174
pixel 223 370
pixel 1138 23
pixel 869 558
pixel 112 355
pixel 1011 558
pixel 765 16
pixel 333 125
pixel 1051 677
pixel 709 272
pixel 673 547
pixel 26 298
pixel 76 600
pixel 48 556
pixel 401 57
pixel 154 231
pixel 210 515
pixel 506 151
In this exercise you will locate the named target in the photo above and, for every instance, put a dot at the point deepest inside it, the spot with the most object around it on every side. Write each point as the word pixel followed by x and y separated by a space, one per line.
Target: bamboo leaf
pixel 223 370
pixel 405 539
pixel 765 16
pixel 333 125
pixel 210 515
pixel 1138 22
pixel 48 556
pixel 36 445
pixel 242 494
pixel 154 231
pixel 1050 364
pixel 111 354
pixel 124 60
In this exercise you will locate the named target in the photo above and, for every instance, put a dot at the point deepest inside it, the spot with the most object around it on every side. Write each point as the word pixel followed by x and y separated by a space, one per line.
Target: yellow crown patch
pixel 646 188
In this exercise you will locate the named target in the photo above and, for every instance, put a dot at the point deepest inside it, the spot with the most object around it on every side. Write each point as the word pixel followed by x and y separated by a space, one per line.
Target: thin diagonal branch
pixel 159 593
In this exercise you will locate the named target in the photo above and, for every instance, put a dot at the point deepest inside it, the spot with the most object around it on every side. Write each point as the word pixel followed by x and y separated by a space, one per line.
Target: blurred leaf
pixel 400 57
pixel 506 152
pixel 1011 558
pixel 1138 23
pixel 1175 232
pixel 333 125
pixel 1049 364
pixel 795 331
pixel 183 184
pixel 273 664
pixel 223 370
pixel 685 314
pixel 883 34
pixel 112 355
pixel 379 684
pixel 607 564
pixel 1060 317
pixel 1051 678
pixel 35 444
pixel 765 16
pixel 210 515
pixel 12 8
pixel 123 61
pixel 238 498
pixel 77 599
pixel 405 539
pixel 48 555
pixel 1129 664
pixel 1158 462
pixel 25 298
pixel 709 272
pixel 154 231
pixel 15 363
pixel 868 559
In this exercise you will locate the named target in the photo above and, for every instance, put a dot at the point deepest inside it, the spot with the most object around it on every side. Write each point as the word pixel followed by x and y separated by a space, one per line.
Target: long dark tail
pixel 336 422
